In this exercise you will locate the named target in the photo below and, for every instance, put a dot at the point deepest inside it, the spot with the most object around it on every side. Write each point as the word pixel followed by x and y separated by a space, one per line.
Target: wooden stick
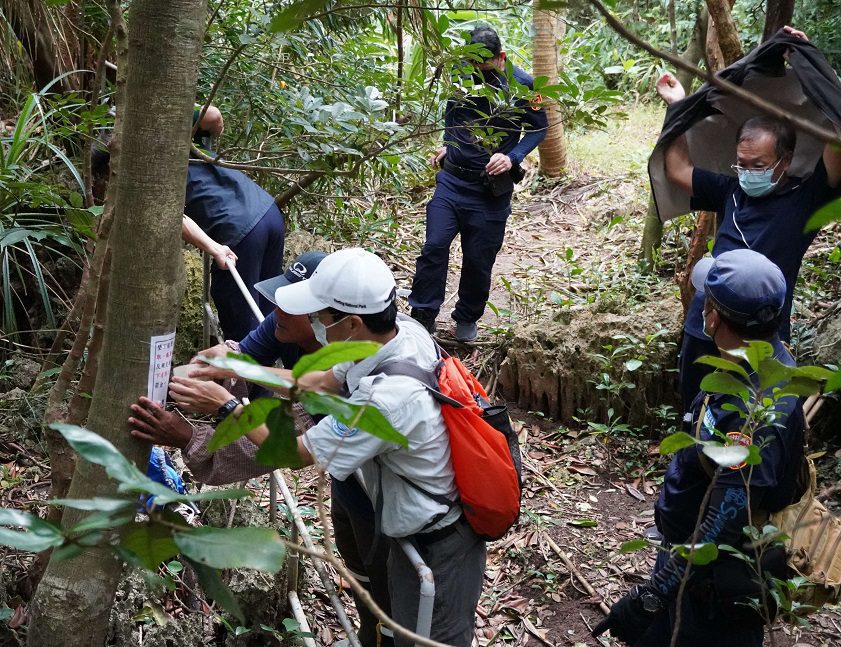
pixel 574 571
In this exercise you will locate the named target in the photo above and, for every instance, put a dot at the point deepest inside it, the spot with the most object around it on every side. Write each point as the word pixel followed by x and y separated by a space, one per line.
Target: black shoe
pixel 425 318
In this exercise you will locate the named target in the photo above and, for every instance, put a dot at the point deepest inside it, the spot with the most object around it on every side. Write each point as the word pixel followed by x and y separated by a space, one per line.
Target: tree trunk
pixel 652 235
pixel 778 14
pixel 723 46
pixel 696 48
pixel 73 602
pixel 548 31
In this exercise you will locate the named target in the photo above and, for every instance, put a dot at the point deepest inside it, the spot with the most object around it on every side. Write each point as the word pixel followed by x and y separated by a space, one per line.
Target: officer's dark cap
pixel 743 285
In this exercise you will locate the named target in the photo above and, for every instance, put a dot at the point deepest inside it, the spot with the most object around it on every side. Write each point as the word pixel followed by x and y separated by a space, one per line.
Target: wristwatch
pixel 651 602
pixel 225 410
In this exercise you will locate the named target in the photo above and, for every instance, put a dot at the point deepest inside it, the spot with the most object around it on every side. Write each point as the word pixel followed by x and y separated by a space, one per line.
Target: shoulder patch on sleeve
pixel 341 429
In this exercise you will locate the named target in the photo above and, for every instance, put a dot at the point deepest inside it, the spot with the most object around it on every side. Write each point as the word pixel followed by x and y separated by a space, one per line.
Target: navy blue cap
pixel 743 285
pixel 300 269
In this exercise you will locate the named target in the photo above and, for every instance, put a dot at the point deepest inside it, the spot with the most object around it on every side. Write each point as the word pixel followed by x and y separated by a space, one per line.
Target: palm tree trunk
pixel 72 605
pixel 548 31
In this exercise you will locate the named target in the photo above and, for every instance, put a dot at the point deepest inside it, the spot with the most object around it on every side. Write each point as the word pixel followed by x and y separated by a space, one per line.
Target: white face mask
pixel 320 330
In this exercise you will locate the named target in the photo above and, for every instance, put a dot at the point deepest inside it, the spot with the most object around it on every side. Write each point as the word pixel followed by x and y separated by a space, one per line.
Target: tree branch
pixel 822 134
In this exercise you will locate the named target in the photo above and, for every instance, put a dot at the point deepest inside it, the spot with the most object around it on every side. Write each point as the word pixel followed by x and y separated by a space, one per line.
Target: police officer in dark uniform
pixel 473 189
pixel 744 297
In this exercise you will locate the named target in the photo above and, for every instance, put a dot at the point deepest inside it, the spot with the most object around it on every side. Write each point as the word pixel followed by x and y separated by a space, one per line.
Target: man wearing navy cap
pixel 480 163
pixel 744 298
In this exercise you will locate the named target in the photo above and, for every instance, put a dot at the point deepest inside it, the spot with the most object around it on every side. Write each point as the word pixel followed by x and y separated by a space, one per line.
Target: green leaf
pixel 216 589
pixel 100 504
pixel 233 428
pixel 701 556
pixel 772 372
pixel 95 449
pixel 724 364
pixel 258 548
pixel 725 455
pixel 726 383
pixel 151 542
pixel 676 441
pixel 38 535
pixel 799 386
pixel 247 370
pixel 633 364
pixel 823 216
pixel 633 546
pixel 833 383
pixel 754 353
pixel 583 523
pixel 818 373
pixel 332 354
pixel 295 14
pixel 754 457
pixel 100 521
pixel 363 417
pixel 280 448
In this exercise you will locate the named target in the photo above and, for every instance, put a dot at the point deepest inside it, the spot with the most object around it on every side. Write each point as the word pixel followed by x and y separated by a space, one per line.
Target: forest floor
pixel 570 242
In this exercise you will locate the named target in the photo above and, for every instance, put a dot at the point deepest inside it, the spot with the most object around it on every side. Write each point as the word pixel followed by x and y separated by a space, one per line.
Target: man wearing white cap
pixel 744 296
pixel 351 297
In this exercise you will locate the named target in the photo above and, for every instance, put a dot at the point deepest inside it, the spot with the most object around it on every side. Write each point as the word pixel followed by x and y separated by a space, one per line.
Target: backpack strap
pixel 705 462
pixel 429 378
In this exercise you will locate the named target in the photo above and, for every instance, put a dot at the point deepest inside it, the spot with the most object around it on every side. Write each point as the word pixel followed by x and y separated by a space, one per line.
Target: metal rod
pixel 294 559
pixel 298 612
pixel 426 600
pixel 245 293
pixel 329 587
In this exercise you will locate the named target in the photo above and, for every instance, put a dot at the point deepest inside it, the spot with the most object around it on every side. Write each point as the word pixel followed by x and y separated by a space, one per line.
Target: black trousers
pixel 467 208
pixel 353 528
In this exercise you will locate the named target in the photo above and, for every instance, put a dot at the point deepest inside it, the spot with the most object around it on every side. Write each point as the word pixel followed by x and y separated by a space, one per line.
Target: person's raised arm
pixel 678 164
pixel 194 235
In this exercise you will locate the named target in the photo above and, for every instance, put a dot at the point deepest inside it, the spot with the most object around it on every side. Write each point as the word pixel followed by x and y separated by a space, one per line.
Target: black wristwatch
pixel 651 602
pixel 225 410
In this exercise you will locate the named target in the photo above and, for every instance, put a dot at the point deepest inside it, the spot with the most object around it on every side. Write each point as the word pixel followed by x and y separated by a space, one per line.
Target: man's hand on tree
pixel 199 396
pixel 499 163
pixel 669 88
pixel 630 618
pixel 440 154
pixel 152 422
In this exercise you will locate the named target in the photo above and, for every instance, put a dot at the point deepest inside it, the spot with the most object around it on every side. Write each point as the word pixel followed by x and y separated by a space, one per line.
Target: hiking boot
pixel 425 318
pixel 466 330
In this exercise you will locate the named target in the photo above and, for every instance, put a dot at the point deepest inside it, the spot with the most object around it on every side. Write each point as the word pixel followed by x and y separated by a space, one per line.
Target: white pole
pixel 245 293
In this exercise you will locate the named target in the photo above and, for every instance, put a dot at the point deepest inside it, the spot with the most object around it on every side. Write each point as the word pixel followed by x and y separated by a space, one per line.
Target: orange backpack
pixel 484 449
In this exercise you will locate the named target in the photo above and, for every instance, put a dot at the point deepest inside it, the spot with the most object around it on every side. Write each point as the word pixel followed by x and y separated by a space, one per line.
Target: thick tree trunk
pixel 73 602
pixel 548 31
pixel 778 14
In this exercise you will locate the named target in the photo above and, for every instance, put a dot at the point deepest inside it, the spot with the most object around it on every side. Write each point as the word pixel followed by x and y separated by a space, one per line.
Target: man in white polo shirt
pixel 351 297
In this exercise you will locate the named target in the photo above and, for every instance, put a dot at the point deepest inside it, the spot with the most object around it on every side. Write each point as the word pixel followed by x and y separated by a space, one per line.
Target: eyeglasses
pixel 754 171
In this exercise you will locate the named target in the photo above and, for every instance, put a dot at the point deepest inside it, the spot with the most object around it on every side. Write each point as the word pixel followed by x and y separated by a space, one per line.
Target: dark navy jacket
pixel 504 114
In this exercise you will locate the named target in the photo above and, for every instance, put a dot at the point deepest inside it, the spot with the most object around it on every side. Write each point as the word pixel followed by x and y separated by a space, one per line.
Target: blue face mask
pixel 758 183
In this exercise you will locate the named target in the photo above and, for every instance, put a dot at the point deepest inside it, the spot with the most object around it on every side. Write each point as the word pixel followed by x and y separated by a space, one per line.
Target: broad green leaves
pixel 280 449
pixel 676 441
pixel 358 416
pixel 825 215
pixel 257 548
pixel 234 427
pixel 700 554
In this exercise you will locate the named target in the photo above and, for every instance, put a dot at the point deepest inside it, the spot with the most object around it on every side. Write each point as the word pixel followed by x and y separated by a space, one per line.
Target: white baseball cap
pixel 350 280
